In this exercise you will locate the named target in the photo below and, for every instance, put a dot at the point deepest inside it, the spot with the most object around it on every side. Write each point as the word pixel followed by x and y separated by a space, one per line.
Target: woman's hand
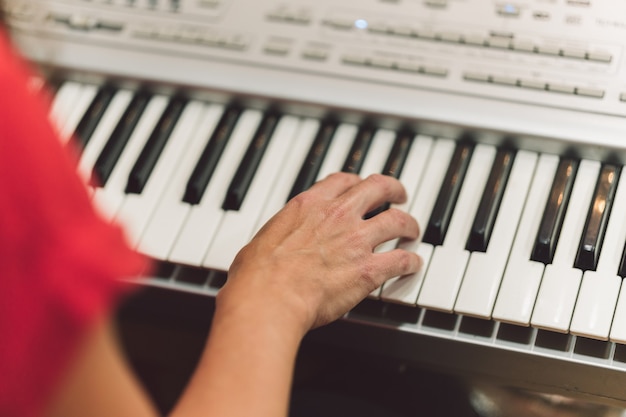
pixel 315 260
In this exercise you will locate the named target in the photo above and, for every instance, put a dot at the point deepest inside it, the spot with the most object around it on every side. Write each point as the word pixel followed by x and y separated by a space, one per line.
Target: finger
pixel 374 191
pixel 335 184
pixel 397 262
pixel 391 224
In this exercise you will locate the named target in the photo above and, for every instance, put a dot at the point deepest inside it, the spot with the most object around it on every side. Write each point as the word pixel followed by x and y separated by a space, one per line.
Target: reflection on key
pixel 154 146
pixel 92 116
pixel 554 213
pixel 359 149
pixel 522 276
pixel 485 269
pixel 490 203
pixel 315 157
pixel 448 262
pixel 63 102
pixel 250 163
pixel 561 281
pixel 210 156
pixel 437 226
pixel 117 142
pixel 599 290
pixel 597 219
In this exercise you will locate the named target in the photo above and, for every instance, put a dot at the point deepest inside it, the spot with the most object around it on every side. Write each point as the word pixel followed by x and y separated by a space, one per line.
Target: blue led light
pixel 510 8
pixel 360 24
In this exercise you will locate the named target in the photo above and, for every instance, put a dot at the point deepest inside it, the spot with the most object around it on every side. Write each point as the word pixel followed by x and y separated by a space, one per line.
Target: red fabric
pixel 58 260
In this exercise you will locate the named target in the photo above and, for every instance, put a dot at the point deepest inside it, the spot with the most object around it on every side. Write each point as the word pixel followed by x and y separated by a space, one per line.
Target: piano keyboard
pixel 505 123
pixel 521 237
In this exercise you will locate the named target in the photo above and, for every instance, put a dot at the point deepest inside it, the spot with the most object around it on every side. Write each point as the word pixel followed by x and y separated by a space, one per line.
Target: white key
pixel 449 260
pixel 338 150
pixel 599 289
pixel 103 131
pixel 484 270
pixel 137 209
pixel 618 328
pixel 378 153
pixel 302 143
pixel 405 289
pixel 109 199
pixel 204 218
pixel 522 276
pixel 561 281
pixel 374 163
pixel 63 102
pixel 77 111
pixel 411 176
pixel 237 227
pixel 171 212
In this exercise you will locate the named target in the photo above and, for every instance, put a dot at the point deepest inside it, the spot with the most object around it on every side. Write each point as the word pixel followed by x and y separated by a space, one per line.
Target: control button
pixel 402 31
pixel 436 3
pixel 339 23
pixel 541 15
pixel 380 63
pixel 503 80
pixel 237 42
pixel 533 84
pixel 316 54
pixel 622 97
pixel 589 92
pixel 377 27
pixel 499 43
pixel 82 22
pixel 476 76
pixel 353 59
pixel 408 66
pixel 523 46
pixel 450 37
pixel 562 88
pixel 599 56
pixel 549 50
pixel 476 40
pixel 574 53
pixel 436 71
pixel 508 10
pixel 579 2
pixel 276 48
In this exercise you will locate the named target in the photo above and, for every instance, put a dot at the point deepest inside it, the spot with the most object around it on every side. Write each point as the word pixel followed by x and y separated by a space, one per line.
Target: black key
pixel 446 200
pixel 597 219
pixel 313 162
pixel 359 149
pixel 622 265
pixel 251 160
pixel 115 145
pixel 149 155
pixel 211 155
pixel 394 165
pixel 92 116
pixel 554 213
pixel 490 201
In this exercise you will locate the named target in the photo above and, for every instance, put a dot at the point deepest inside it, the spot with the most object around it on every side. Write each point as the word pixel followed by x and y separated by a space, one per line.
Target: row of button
pixel 188 34
pixel 508 43
pixel 534 84
pixel 290 15
pixel 385 63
